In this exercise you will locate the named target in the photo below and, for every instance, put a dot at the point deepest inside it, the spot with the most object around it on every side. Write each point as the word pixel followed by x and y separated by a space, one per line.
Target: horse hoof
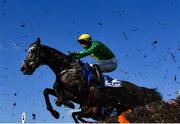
pixel 58 102
pixel 55 114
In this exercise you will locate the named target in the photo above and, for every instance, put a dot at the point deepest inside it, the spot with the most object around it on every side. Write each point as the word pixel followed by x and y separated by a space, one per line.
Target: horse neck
pixel 57 61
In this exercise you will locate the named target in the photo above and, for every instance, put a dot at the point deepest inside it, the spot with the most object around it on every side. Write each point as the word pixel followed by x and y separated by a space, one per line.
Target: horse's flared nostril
pixel 22 69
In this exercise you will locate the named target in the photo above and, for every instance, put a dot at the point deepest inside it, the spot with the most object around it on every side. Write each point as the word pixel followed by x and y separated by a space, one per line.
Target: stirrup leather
pixel 97 72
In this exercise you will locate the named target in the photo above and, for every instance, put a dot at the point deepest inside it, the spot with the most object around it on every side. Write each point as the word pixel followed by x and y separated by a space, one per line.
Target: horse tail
pixel 152 95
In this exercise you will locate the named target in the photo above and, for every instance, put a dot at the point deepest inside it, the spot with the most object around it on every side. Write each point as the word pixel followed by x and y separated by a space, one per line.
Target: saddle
pixel 93 74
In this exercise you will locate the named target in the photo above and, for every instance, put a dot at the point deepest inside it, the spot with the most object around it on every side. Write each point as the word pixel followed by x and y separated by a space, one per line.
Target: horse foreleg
pixel 46 93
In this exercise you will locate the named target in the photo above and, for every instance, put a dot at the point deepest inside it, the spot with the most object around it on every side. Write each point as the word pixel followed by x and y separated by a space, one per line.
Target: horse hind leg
pixel 79 116
pixel 82 120
pixel 88 112
pixel 74 116
pixel 46 93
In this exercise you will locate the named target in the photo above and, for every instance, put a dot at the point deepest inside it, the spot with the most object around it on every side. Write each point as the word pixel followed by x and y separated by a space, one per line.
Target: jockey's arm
pixel 88 51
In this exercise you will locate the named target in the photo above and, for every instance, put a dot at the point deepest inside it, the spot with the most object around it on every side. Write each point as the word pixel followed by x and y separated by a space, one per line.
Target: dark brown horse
pixel 127 97
pixel 71 83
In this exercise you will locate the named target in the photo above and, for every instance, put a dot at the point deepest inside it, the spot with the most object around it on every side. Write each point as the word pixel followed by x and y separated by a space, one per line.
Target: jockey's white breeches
pixel 107 65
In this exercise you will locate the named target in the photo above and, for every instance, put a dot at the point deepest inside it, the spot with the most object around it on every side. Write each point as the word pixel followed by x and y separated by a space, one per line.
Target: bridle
pixel 36 58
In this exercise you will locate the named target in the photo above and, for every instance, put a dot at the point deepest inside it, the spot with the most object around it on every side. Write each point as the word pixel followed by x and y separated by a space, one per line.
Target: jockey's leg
pixel 107 65
pixel 104 66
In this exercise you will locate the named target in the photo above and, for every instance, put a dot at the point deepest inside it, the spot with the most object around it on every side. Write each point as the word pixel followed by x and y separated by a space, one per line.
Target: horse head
pixel 32 60
pixel 39 54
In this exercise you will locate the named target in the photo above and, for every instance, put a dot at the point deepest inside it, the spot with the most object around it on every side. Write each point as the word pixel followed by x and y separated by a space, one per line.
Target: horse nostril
pixel 22 69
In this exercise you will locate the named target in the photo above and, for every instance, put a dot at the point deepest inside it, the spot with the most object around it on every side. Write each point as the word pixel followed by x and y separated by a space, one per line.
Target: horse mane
pixel 53 51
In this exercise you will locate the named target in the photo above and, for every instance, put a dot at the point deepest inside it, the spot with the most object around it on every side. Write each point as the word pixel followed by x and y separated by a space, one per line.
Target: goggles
pixel 83 41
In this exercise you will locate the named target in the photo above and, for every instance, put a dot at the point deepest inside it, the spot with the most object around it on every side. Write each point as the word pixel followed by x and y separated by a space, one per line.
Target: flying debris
pixel 125 72
pixel 175 78
pixel 113 11
pixel 24 36
pixel 6 76
pixel 14 104
pixel 22 25
pixel 15 94
pixel 16 45
pixel 73 22
pixel 119 14
pixel 3 3
pixel 99 23
pixel 177 93
pixel 141 74
pixel 133 30
pixel 32 29
pixel 4 14
pixel 125 35
pixel 33 116
pixel 45 12
pixel 173 56
pixel 162 23
pixel 155 42
pixel 123 11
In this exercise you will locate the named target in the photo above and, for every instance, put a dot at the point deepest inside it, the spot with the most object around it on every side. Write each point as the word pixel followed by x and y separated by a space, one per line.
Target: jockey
pixel 106 60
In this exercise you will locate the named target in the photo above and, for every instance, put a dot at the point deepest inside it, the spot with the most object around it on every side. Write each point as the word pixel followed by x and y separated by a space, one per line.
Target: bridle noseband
pixel 36 58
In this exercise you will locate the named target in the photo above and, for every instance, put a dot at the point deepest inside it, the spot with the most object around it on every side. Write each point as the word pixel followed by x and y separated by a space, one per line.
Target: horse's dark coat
pixel 71 85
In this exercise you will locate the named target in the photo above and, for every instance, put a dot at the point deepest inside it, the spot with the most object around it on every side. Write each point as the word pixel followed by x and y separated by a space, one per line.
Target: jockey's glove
pixel 75 55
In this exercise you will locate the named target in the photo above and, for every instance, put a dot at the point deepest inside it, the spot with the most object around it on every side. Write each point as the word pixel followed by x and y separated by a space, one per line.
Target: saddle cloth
pixel 110 82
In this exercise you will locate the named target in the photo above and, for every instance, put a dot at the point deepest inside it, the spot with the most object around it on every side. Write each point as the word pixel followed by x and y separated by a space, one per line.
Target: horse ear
pixel 38 41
